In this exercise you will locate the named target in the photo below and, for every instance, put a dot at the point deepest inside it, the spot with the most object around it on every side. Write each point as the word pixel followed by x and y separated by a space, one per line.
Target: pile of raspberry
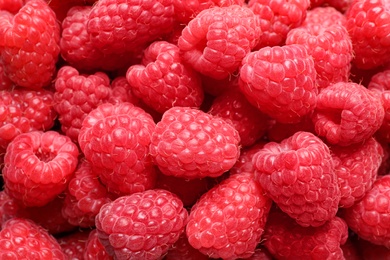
pixel 202 129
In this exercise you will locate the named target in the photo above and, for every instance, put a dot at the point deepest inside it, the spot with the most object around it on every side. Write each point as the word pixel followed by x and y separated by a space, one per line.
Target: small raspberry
pixel 298 175
pixel 29 45
pixel 163 80
pixel 38 166
pixel 183 250
pixel 142 225
pixel 347 113
pixel 115 140
pixel 280 81
pixel 217 39
pixel 94 250
pixel 191 144
pixel 73 245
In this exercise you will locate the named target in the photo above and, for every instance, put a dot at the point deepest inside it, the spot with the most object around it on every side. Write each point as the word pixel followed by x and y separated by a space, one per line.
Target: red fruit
pixel 217 39
pixel 142 225
pixel 192 144
pixel 11 6
pixel 38 166
pixel 350 250
pixel 5 82
pixel 280 81
pixel 94 250
pixel 369 251
pixel 183 250
pixel 121 92
pixel 347 113
pixel 23 239
pixel 61 8
pixel 298 175
pixel 73 245
pixel 29 44
pixel 115 140
pixel 9 208
pixel 323 16
pixel 341 5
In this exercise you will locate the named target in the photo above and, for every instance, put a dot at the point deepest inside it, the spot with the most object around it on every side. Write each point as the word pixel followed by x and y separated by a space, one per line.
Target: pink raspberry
pixel 142 225
pixel 163 80
pixel 368 218
pixel 38 166
pixel 73 245
pixel 347 113
pixel 23 239
pixel 94 250
pixel 190 143
pixel 29 44
pixel 280 81
pixel 324 16
pixel 217 39
pixel 183 250
pixel 115 140
pixel 298 175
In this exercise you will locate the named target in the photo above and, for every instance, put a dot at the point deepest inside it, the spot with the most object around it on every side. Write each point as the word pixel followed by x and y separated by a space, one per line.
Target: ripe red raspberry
pixel 368 26
pixel 228 220
pixel 250 123
pixel 280 81
pixel 277 18
pixel 115 140
pixel 285 239
pixel 163 80
pixel 73 245
pixel 76 95
pixel 9 208
pixel 183 250
pixel 29 45
pixel 190 143
pixel 38 166
pixel 356 167
pixel 298 175
pixel 11 6
pixel 347 113
pixel 118 26
pixel 142 225
pixel 369 217
pixel 94 250
pixel 217 39
pixel 5 82
pixel 23 239
pixel 324 16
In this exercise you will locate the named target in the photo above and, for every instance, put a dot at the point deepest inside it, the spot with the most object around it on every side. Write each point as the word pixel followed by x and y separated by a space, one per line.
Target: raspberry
pixel 9 208
pixel 183 250
pixel 61 8
pixel 38 166
pixel 356 167
pixel 298 175
pixel 368 218
pixel 23 239
pixel 368 26
pixel 323 17
pixel 163 80
pixel 118 26
pixel 142 225
pixel 280 81
pixel 347 113
pixel 30 45
pixel 94 250
pixel 76 95
pixel 340 5
pixel 191 144
pixel 277 18
pixel 285 239
pixel 217 39
pixel 121 92
pixel 5 82
pixel 115 140
pixel 73 244
pixel 11 6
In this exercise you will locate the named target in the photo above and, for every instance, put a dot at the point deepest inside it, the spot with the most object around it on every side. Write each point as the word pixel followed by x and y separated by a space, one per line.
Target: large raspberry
pixel 298 175
pixel 217 39
pixel 192 144
pixel 280 81
pixel 142 225
pixel 29 44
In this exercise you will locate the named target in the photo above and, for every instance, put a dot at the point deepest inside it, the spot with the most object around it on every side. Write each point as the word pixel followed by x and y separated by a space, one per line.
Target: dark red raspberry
pixel 280 81
pixel 11 6
pixel 29 45
pixel 94 250
pixel 163 80
pixel 38 166
pixel 298 175
pixel 183 250
pixel 73 245
pixel 23 239
pixel 217 39
pixel 115 140
pixel 347 113
pixel 142 225
pixel 190 143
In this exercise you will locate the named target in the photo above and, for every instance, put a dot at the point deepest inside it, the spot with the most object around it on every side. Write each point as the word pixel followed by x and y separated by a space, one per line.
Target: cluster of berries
pixel 205 129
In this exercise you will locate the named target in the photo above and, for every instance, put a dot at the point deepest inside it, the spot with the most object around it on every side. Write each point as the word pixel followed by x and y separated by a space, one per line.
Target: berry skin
pixel 73 245
pixel 347 113
pixel 29 45
pixel 142 225
pixel 38 166
pixel 190 143
pixel 94 250
pixel 323 17
pixel 23 239
pixel 217 39
pixel 5 82
pixel 115 140
pixel 163 80
pixel 280 81
pixel 298 175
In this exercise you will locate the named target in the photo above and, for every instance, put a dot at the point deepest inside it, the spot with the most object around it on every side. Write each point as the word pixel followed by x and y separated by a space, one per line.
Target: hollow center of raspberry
pixel 334 116
pixel 44 156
